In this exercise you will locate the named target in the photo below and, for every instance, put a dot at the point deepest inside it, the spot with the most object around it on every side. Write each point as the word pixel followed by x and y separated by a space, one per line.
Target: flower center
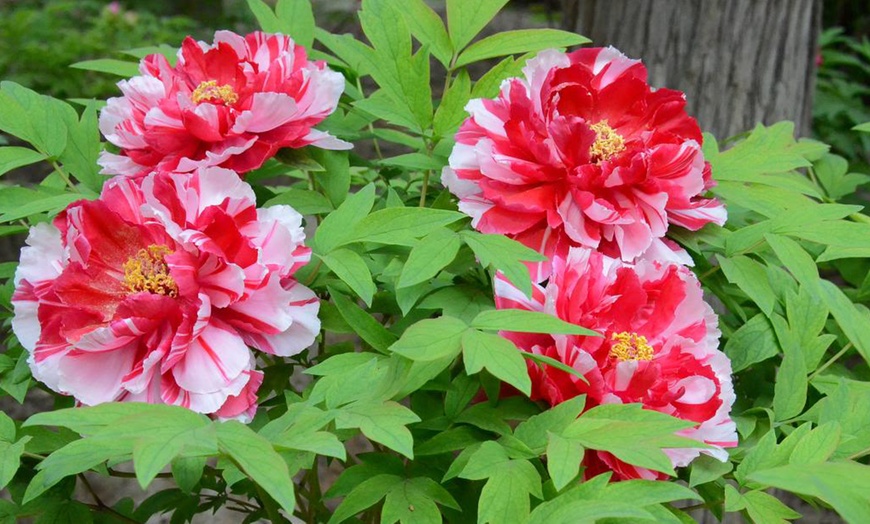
pixel 147 271
pixel 608 143
pixel 209 91
pixel 630 346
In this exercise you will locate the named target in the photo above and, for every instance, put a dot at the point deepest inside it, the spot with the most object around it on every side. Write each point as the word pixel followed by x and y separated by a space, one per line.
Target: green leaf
pixel 363 496
pixel 369 329
pixel 187 472
pixel 122 68
pixel 523 321
pixel 498 355
pixel 488 85
pixel 563 460
pixel 38 119
pixel 634 435
pixel 751 278
pixel 401 225
pixel 10 457
pixel 66 512
pixel 258 459
pixel 350 267
pixel 151 455
pixel 505 496
pixel 504 254
pixel 831 170
pixel 790 389
pixel 304 201
pixel 544 360
pixel 767 150
pixel 789 222
pixel 818 445
pixel 269 23
pixel 13 157
pixel 451 110
pixel 83 149
pixel 428 28
pixel 298 20
pixel 334 230
pixel 7 428
pixel 383 106
pixel 42 204
pixel 535 431
pixel 846 404
pixel 413 501
pixel 843 485
pixel 431 339
pixel 753 342
pixel 466 19
pixel 413 162
pixel 766 509
pixel 382 422
pixel 517 42
pixel 335 178
pixel 429 256
pixel 707 469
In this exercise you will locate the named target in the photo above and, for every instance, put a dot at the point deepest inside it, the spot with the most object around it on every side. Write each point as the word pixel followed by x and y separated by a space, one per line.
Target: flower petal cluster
pixel 155 291
pixel 659 347
pixel 231 104
pixel 583 152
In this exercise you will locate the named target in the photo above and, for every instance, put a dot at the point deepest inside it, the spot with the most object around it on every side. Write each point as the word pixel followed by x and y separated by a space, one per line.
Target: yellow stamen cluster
pixel 209 91
pixel 608 143
pixel 630 346
pixel 147 271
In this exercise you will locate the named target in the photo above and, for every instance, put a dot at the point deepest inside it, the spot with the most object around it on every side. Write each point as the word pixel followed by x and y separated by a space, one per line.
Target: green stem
pixel 63 174
pixel 830 361
pixel 425 188
pixel 371 129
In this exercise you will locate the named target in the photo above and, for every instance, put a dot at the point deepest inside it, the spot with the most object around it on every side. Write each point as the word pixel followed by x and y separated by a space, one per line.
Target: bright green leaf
pixel 517 42
pixel 431 339
pixel 498 355
pixel 350 267
pixel 13 157
pixel 523 321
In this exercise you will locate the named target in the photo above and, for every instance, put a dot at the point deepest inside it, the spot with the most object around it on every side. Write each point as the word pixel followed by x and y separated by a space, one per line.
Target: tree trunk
pixel 739 62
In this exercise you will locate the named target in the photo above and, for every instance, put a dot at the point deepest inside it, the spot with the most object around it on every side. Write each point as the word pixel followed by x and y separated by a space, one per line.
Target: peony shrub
pixel 541 295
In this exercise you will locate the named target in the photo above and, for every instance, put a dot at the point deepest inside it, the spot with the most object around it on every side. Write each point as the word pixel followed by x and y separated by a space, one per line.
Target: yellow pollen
pixel 630 346
pixel 209 91
pixel 147 271
pixel 608 143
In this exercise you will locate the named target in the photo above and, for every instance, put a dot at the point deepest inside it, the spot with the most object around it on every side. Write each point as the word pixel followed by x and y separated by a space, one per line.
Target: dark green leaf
pixel 369 329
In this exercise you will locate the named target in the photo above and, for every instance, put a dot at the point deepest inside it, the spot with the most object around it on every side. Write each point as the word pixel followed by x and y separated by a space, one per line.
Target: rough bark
pixel 739 62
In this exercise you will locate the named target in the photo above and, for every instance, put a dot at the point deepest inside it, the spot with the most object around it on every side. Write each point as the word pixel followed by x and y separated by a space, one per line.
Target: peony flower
pixel 154 292
pixel 232 104
pixel 583 152
pixel 659 347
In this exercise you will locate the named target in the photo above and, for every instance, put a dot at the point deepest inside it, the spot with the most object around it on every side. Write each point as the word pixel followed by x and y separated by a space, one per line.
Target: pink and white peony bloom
pixel 583 152
pixel 154 292
pixel 232 104
pixel 659 348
